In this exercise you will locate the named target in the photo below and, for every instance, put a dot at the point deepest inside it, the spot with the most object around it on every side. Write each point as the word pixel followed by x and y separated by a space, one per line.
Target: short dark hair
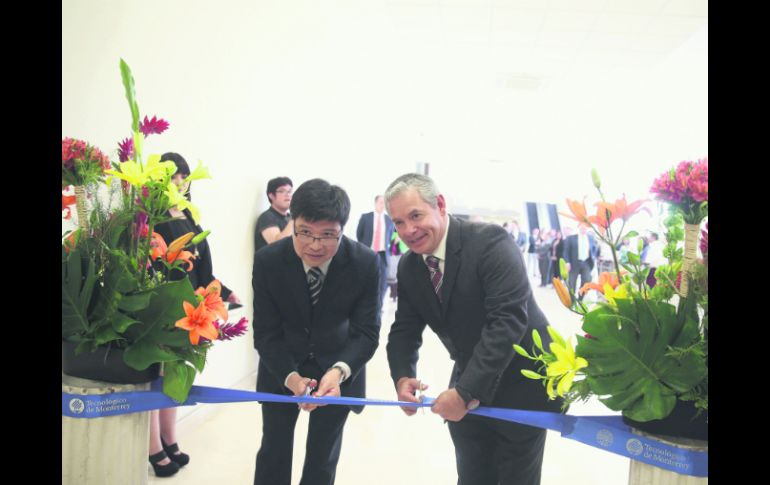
pixel 377 197
pixel 273 184
pixel 317 200
pixel 179 161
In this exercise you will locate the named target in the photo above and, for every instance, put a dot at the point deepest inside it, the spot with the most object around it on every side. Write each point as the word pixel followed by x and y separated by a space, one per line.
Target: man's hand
pixel 450 406
pixel 406 387
pixel 330 384
pixel 233 298
pixel 298 384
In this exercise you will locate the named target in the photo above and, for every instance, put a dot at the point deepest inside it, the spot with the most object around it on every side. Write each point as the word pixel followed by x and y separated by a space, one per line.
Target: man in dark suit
pixel 468 283
pixel 375 230
pixel 316 321
pixel 580 251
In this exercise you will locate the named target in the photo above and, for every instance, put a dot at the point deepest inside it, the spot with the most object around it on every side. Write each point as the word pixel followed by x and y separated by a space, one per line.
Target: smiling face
pixel 419 225
pixel 312 250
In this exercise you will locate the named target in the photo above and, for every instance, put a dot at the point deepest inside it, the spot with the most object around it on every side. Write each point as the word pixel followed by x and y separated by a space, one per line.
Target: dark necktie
pixel 436 277
pixel 314 282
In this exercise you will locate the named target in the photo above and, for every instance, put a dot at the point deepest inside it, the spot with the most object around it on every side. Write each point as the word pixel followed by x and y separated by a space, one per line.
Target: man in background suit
pixel 316 321
pixel 468 283
pixel 375 229
pixel 580 251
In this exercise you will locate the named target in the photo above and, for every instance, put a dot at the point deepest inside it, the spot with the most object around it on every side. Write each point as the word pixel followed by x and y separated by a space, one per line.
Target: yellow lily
pixel 137 175
pixel 564 368
pixel 176 198
pixel 611 293
pixel 200 172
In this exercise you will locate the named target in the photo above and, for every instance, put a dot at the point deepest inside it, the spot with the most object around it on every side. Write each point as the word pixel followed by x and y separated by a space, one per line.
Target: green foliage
pixel 630 359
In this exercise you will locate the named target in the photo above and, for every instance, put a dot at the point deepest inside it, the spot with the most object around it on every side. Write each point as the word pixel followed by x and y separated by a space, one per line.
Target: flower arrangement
pixel 645 347
pixel 115 287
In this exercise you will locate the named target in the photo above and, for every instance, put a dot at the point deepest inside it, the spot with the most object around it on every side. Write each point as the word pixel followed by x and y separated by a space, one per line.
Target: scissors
pixel 419 394
pixel 309 388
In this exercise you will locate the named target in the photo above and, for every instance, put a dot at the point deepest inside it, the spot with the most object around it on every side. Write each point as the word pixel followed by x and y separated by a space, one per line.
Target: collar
pixel 324 267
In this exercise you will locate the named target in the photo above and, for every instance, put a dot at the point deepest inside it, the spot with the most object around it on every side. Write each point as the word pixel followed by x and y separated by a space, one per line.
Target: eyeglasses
pixel 306 237
pixel 284 191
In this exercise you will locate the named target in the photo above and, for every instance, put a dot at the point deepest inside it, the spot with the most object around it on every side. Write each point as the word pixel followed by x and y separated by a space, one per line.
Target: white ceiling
pixel 532 44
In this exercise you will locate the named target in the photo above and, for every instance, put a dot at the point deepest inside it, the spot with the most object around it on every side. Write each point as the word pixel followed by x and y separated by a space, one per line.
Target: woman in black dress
pixel 165 457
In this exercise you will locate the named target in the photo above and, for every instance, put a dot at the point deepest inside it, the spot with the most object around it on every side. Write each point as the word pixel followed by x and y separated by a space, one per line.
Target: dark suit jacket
pixel 487 306
pixel 571 250
pixel 365 230
pixel 344 326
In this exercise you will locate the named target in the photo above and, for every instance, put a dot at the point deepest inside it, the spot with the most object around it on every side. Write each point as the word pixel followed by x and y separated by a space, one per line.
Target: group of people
pixel 317 315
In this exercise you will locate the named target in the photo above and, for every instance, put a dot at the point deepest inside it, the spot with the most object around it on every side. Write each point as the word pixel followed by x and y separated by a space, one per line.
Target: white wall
pixel 258 89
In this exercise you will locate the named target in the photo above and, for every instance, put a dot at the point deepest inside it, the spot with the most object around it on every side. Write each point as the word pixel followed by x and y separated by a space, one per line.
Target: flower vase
pixel 683 428
pixel 106 364
pixel 111 449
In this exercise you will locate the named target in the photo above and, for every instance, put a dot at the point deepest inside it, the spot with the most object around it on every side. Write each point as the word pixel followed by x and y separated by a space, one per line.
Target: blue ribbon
pixel 604 432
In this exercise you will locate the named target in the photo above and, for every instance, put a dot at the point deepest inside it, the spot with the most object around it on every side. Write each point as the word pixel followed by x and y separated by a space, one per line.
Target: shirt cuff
pixel 345 370
pixel 286 381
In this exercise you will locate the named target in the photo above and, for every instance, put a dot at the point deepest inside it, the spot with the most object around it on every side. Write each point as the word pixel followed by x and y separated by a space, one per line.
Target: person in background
pixel 165 457
pixel 275 223
pixel 375 230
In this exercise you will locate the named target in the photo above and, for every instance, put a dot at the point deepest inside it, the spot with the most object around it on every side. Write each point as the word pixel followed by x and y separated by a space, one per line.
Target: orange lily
pixel 212 299
pixel 578 210
pixel 175 251
pixel 626 210
pixel 563 292
pixel 199 322
pixel 606 278
pixel 601 218
pixel 158 246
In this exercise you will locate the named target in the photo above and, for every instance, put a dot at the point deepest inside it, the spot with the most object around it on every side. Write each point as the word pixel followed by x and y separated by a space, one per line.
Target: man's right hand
pixel 298 384
pixel 406 388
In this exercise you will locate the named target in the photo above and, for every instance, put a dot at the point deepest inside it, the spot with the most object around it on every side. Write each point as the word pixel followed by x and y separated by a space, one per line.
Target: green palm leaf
pixel 627 361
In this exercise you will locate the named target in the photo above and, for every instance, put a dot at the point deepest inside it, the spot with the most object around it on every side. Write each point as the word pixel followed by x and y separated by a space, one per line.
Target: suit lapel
pixel 452 263
pixel 296 283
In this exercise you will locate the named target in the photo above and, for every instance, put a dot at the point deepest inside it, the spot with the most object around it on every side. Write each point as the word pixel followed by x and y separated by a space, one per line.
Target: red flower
pixel 126 149
pixel 153 126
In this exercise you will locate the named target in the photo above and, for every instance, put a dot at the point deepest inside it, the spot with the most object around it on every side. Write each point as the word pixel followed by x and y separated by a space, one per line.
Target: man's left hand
pixel 449 405
pixel 329 385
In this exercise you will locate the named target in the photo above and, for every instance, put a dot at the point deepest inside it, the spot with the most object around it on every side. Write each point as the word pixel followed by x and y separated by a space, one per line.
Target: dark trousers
pixel 322 449
pixel 495 452
pixel 582 269
pixel 382 264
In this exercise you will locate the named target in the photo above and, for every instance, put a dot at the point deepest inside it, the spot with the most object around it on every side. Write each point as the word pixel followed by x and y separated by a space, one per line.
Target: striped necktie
pixel 314 282
pixel 436 277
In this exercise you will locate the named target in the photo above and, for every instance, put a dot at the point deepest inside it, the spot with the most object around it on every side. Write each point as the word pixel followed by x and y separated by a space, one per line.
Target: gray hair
pixel 424 185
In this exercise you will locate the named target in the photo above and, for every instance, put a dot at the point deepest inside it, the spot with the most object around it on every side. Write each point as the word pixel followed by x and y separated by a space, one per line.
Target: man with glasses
pixel 316 324
pixel 275 223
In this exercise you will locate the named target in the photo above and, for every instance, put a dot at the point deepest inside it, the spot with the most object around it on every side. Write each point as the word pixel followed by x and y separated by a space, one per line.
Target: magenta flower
pixel 231 330
pixel 153 126
pixel 141 227
pixel 687 187
pixel 126 149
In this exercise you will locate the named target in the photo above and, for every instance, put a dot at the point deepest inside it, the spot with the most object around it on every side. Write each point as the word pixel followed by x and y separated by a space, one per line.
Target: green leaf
pixel 628 365
pixel 76 293
pixel 629 235
pixel 165 308
pixel 143 354
pixel 177 380
pixel 634 259
pixel 121 322
pixel 135 302
pixel 128 83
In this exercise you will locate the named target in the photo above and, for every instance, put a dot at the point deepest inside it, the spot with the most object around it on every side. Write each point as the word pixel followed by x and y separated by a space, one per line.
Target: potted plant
pixel 121 316
pixel 645 348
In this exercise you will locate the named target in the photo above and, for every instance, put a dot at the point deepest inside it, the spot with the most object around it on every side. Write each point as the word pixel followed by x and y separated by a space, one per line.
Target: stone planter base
pixel 644 474
pixel 111 450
